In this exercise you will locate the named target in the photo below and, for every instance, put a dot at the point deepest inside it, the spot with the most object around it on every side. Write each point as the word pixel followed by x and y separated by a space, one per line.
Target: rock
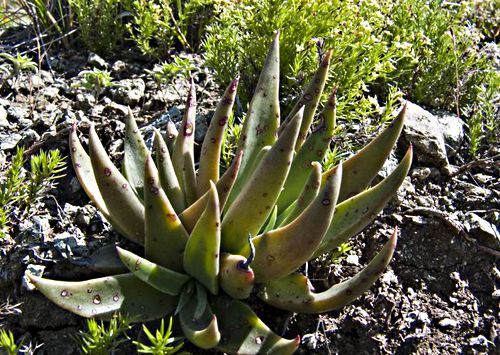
pixel 352 260
pixel 95 60
pixel 420 173
pixel 30 137
pixel 85 101
pixel 201 128
pixel 118 67
pixel 9 141
pixel 406 190
pixel 448 323
pixel 453 129
pixel 422 129
pixel 3 117
pixel 47 77
pixel 128 91
pixel 50 91
pixel 389 165
pixel 17 113
pixel 70 243
pixel 35 229
pixel 485 232
pixel 36 270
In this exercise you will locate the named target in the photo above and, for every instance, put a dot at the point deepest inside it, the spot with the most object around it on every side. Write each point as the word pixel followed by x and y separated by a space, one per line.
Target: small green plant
pixel 8 343
pixel 337 255
pixel 10 347
pixel 165 72
pixel 99 23
pixel 162 343
pixel 160 25
pixel 19 63
pixel 20 189
pixel 230 142
pixel 95 80
pixel 101 340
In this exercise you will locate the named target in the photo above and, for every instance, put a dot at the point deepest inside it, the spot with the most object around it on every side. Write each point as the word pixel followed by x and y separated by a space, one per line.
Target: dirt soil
pixel 439 295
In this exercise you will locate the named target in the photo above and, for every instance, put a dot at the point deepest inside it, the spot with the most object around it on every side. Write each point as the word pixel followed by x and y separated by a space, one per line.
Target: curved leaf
pixel 104 296
pixel 294 292
pixel 163 279
pixel 281 251
pixel 244 333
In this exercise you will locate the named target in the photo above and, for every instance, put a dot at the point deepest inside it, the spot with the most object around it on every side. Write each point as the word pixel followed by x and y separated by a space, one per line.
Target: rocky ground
pixel 439 295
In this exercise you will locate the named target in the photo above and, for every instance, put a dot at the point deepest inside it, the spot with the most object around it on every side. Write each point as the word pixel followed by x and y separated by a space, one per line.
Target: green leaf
pixel 294 293
pixel 159 277
pixel 104 296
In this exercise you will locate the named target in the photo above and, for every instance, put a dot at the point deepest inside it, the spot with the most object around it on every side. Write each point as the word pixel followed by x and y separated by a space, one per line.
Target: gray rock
pixel 352 259
pixel 35 229
pixel 485 232
pixel 46 77
pixel 85 101
pixel 201 128
pixel 95 60
pixel 70 243
pixel 17 113
pixel 36 270
pixel 9 141
pixel 118 66
pixel 128 91
pixel 422 129
pixel 389 166
pixel 30 136
pixel 448 323
pixel 3 117
pixel 453 129
pixel 50 91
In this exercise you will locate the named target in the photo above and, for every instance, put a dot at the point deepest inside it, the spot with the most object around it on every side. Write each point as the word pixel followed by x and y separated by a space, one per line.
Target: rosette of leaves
pixel 210 241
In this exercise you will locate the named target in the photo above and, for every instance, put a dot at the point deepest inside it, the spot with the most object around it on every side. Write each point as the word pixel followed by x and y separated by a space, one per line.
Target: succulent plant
pixel 210 241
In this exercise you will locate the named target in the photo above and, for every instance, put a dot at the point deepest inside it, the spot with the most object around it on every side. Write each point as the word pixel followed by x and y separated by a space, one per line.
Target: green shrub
pixel 99 23
pixel 20 189
pixel 158 26
pixel 354 29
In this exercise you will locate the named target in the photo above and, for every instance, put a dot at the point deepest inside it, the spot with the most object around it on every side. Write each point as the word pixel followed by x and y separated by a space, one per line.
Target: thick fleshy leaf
pixel 190 215
pixel 236 279
pixel 166 237
pixel 244 333
pixel 183 153
pixel 135 154
pixel 104 296
pixel 293 293
pixel 309 193
pixel 200 328
pixel 201 257
pixel 85 172
pixel 283 250
pixel 171 135
pixel 263 117
pixel 253 205
pixel 361 168
pixel 356 213
pixel 122 203
pixel 168 178
pixel 212 143
pixel 314 149
pixel 310 98
pixel 163 279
